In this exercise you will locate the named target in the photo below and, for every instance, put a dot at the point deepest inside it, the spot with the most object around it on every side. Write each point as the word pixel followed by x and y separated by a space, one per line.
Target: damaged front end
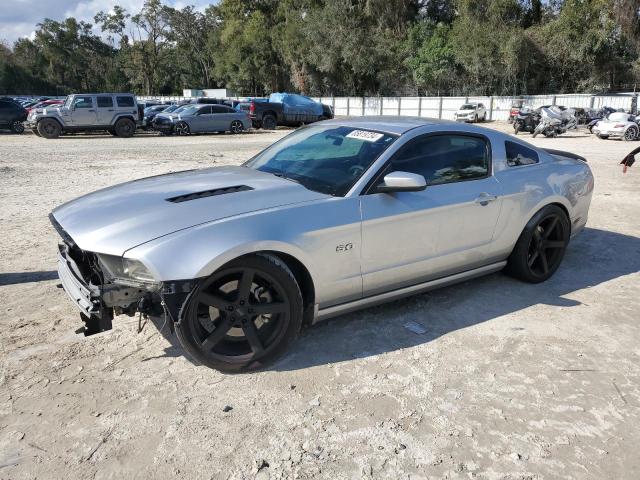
pixel 102 286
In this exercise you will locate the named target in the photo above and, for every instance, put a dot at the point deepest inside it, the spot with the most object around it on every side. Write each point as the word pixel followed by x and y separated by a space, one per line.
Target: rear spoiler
pixel 561 153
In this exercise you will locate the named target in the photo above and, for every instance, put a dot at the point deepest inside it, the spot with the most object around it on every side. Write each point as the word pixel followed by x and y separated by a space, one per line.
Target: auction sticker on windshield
pixel 365 135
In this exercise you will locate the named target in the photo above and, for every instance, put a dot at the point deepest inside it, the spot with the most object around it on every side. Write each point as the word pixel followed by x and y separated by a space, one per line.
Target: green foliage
pixel 336 47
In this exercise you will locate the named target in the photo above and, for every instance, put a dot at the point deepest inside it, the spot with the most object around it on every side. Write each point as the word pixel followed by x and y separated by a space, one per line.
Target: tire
pixel 516 128
pixel 35 132
pixel 227 302
pixel 630 134
pixel 236 127
pixel 17 127
pixel 124 128
pixel 475 118
pixel 541 246
pixel 269 122
pixel 49 128
pixel 182 129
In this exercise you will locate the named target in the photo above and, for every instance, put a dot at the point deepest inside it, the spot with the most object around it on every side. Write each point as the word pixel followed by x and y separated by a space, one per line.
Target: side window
pixel 105 102
pixel 124 101
pixel 518 155
pixel 205 111
pixel 83 102
pixel 444 158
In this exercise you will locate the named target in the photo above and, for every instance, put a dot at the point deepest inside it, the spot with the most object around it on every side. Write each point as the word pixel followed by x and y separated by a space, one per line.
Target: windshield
pixel 67 102
pixel 327 159
pixel 171 108
pixel 190 110
pixel 468 106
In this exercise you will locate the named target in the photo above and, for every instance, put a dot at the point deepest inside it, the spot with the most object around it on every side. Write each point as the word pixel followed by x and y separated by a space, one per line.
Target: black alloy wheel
pixel 269 122
pixel 17 126
pixel 182 129
pixel 541 246
pixel 49 128
pixel 243 316
pixel 236 127
pixel 124 128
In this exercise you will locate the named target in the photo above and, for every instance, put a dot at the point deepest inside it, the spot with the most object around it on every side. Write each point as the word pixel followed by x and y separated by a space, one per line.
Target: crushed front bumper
pixel 87 301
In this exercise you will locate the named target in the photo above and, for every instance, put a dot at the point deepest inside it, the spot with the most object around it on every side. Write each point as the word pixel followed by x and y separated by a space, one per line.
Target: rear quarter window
pixel 125 101
pixel 518 155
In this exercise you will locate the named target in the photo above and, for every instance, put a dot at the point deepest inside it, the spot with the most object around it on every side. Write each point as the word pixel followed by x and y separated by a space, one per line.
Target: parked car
pixel 150 113
pixel 618 125
pixel 335 217
pixel 471 112
pixel 117 113
pixel 12 115
pixel 45 104
pixel 201 118
pixel 285 109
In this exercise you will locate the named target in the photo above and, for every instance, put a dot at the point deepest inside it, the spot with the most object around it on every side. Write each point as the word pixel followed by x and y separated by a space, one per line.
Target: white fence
pixel 445 107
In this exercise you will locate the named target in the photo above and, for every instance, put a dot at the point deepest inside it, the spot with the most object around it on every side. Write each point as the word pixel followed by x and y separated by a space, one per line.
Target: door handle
pixel 484 199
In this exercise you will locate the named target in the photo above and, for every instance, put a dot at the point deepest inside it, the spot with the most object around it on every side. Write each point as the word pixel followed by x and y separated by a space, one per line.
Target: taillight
pixel 252 108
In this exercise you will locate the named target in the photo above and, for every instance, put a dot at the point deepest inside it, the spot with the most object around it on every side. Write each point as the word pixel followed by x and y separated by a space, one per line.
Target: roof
pixel 386 123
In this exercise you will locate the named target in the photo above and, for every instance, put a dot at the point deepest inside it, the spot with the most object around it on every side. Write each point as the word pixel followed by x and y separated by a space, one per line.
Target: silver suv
pixel 117 113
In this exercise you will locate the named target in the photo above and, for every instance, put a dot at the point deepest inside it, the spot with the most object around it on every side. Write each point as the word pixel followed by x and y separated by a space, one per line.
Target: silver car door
pixel 201 120
pixel 83 110
pixel 411 237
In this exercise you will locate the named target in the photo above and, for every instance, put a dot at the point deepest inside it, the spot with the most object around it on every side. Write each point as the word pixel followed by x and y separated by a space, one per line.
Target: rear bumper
pixel 609 133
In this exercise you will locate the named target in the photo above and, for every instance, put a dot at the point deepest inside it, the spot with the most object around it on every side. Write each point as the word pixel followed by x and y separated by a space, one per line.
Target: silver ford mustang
pixel 334 217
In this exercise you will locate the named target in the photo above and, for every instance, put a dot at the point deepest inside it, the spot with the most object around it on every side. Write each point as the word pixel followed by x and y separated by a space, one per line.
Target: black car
pixel 12 115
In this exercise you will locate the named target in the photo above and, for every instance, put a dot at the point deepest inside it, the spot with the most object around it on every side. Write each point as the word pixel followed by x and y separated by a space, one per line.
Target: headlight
pixel 125 268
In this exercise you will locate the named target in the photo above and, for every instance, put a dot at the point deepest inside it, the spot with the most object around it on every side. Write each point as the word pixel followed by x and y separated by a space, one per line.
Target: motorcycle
pixel 555 121
pixel 526 121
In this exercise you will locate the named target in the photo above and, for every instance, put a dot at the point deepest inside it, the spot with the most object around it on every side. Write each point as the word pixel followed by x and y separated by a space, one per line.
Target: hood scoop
pixel 208 193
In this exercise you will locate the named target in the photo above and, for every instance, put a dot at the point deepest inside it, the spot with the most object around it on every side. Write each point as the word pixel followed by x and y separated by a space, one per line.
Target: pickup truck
pixel 284 109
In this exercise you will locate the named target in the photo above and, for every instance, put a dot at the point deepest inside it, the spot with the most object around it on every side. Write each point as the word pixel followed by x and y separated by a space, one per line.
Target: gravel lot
pixel 510 381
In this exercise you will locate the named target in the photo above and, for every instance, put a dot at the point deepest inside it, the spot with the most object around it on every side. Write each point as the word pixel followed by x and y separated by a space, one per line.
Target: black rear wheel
pixel 541 246
pixel 244 316
pixel 124 128
pixel 269 122
pixel 236 126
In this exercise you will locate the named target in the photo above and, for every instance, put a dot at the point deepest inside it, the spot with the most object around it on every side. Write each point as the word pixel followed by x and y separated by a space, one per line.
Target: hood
pixel 466 112
pixel 121 217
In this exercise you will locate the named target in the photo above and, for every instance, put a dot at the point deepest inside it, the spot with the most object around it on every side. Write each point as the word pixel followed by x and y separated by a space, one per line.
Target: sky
pixel 18 18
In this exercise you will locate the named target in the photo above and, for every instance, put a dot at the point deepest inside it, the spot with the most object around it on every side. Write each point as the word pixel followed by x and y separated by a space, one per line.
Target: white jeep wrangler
pixel 117 113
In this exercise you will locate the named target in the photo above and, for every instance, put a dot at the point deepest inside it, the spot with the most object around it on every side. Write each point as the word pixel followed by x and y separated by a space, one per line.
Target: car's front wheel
pixel 17 126
pixel 49 128
pixel 182 128
pixel 244 316
pixel 541 246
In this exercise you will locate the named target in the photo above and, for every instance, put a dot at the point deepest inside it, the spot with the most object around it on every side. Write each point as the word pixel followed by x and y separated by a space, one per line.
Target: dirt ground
pixel 510 381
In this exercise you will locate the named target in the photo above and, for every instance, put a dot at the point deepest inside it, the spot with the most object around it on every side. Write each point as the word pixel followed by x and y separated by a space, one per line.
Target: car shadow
pixel 593 257
pixel 13 278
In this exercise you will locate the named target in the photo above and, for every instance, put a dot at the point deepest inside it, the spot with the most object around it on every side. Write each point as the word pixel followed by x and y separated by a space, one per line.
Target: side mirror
pixel 402 182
